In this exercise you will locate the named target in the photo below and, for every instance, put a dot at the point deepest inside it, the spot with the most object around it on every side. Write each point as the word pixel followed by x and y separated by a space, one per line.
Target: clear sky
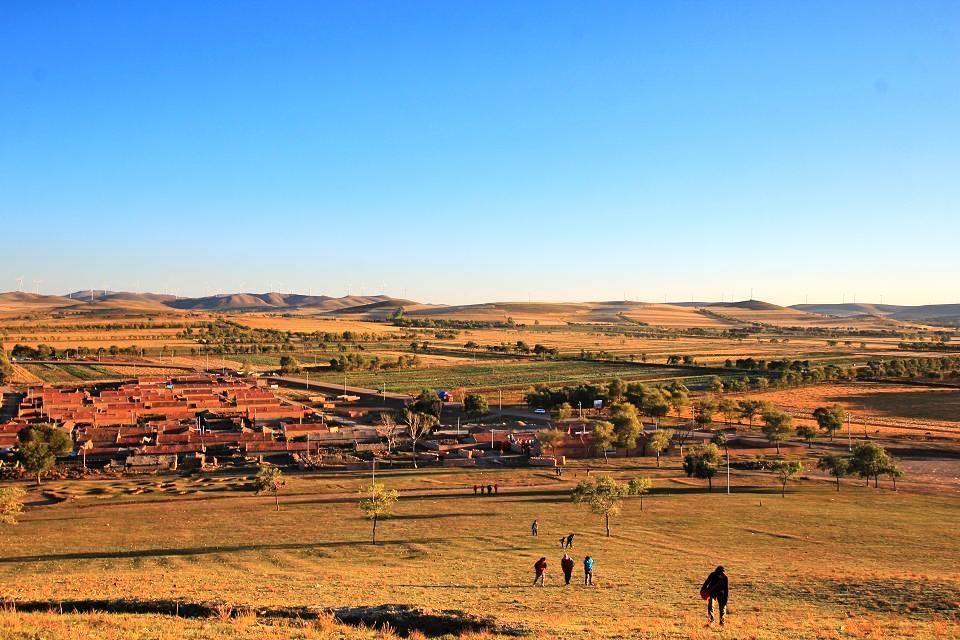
pixel 456 151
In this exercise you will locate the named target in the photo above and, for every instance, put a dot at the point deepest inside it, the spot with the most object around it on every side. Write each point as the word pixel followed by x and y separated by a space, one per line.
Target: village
pixel 205 421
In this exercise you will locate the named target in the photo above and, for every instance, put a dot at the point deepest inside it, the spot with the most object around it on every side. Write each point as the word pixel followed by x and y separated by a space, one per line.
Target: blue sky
pixel 472 151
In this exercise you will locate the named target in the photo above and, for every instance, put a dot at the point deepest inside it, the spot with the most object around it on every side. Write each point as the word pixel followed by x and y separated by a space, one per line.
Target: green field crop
pixel 512 374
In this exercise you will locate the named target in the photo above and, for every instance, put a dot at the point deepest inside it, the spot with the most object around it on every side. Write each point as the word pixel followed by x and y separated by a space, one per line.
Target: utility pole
pixel 849 434
pixel 728 470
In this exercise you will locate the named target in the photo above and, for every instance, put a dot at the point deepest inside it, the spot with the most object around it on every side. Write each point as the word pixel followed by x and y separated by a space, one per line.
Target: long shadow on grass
pixel 500 497
pixel 434 516
pixel 193 551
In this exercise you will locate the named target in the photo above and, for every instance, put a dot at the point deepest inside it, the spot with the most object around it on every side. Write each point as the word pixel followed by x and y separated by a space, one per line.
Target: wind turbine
pixel 36 283
pixel 19 283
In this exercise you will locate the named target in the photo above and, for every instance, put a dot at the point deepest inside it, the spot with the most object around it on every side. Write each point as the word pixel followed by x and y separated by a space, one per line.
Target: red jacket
pixel 540 566
pixel 567 565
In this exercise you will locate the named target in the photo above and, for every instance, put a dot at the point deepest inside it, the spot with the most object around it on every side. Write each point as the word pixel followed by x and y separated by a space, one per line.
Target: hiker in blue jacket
pixel 588 571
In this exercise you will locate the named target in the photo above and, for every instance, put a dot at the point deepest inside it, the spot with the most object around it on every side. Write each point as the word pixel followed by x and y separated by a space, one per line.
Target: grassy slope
pixel 873 563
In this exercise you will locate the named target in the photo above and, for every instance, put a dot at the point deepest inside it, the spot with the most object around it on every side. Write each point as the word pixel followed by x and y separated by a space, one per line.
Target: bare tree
pixel 417 425
pixel 389 430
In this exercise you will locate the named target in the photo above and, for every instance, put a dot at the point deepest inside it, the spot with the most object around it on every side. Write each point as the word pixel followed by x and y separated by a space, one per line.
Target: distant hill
pixel 381 307
pixel 937 314
pixel 850 309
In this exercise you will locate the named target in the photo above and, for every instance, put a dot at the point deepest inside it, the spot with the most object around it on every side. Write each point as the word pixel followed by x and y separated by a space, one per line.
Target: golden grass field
pixel 894 409
pixel 861 563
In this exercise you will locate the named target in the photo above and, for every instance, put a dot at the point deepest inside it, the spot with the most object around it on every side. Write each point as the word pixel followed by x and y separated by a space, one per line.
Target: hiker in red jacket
pixel 541 568
pixel 566 563
pixel 716 587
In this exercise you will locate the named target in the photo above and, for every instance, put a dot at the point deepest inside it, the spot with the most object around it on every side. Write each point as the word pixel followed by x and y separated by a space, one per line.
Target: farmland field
pixel 71 373
pixel 816 564
pixel 892 408
pixel 507 374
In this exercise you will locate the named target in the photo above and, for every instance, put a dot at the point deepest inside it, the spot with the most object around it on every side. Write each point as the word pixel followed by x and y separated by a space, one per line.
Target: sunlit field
pixel 859 563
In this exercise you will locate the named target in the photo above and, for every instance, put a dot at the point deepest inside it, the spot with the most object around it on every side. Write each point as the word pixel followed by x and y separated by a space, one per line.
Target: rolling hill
pixel 935 314
pixel 381 307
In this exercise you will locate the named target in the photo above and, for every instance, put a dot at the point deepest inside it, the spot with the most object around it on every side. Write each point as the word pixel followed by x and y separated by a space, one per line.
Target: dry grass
pixel 863 563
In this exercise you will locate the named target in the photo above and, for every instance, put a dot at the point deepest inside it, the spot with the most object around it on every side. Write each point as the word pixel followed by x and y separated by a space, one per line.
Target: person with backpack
pixel 716 587
pixel 566 564
pixel 588 571
pixel 540 567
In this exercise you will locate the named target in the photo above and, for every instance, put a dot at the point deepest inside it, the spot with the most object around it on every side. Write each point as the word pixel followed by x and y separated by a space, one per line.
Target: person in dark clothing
pixel 489 489
pixel 566 563
pixel 716 587
pixel 474 489
pixel 588 571
pixel 570 541
pixel 496 488
pixel 540 567
pixel 535 528
pixel 563 542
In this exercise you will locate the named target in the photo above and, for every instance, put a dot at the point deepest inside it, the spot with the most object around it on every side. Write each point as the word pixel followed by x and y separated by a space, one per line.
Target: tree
pixel 837 466
pixel 40 444
pixel 377 502
pixel 639 487
pixel 626 425
pixel 475 405
pixel 603 495
pixel 6 369
pixel 289 364
pixel 564 411
pixel 785 469
pixel 808 433
pixel 428 402
pixel 550 438
pixel 721 440
pixel 269 480
pixel 716 384
pixel 417 425
pixel 729 408
pixel 703 411
pixel 616 390
pixel 870 460
pixel 677 396
pixel 749 409
pixel 656 407
pixel 830 418
pixel 11 504
pixel 659 441
pixel 777 425
pixel 702 462
pixel 603 436
pixel 389 430
pixel 894 471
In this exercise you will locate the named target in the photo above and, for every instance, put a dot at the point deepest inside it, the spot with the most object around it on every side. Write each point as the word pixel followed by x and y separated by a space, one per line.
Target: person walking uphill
pixel 588 571
pixel 716 587
pixel 534 528
pixel 540 567
pixel 566 563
